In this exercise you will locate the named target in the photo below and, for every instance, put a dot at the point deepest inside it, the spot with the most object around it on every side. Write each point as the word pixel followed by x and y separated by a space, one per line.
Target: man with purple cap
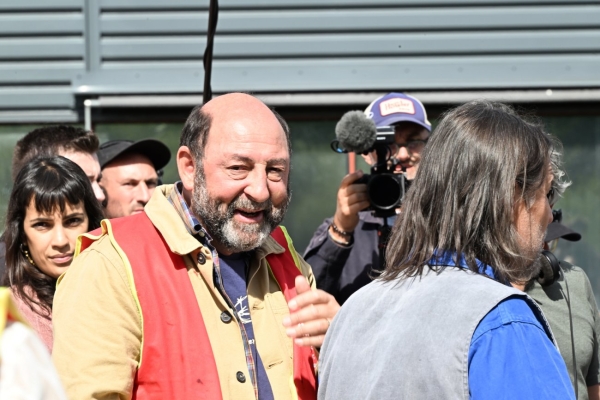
pixel 344 251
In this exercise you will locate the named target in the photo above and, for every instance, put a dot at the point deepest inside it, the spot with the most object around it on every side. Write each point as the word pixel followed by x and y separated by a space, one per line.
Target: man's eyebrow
pixel 278 161
pixel 245 159
pixel 238 157
pixel 416 134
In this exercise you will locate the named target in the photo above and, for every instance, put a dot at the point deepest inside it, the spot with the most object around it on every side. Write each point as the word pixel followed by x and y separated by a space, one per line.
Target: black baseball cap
pixel 156 151
pixel 556 230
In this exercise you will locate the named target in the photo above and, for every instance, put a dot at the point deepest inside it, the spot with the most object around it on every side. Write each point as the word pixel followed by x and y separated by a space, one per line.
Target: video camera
pixel 386 189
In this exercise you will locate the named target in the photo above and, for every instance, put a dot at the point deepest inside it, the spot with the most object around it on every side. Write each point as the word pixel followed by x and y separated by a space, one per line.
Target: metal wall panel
pixel 302 46
pixel 345 45
pixel 42 49
pixel 59 97
pixel 38 5
pixel 354 74
pixel 41 24
pixel 112 47
pixel 280 4
pixel 355 20
pixel 30 73
pixel 62 48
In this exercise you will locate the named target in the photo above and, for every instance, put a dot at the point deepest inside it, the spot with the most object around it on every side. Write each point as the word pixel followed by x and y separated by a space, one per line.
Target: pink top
pixel 42 325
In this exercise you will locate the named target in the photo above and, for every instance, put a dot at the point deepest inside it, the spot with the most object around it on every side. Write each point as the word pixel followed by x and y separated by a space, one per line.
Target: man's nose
pixel 143 193
pixel 402 154
pixel 257 188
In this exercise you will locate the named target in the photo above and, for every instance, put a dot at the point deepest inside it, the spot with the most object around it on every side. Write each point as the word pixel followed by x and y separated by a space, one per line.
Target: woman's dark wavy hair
pixel 482 159
pixel 51 183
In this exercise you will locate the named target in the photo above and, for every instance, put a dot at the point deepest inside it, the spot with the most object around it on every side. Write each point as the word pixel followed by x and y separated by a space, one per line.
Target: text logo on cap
pixel 393 106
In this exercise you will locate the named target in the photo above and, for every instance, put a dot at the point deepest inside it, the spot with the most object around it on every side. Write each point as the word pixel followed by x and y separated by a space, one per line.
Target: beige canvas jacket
pixel 97 328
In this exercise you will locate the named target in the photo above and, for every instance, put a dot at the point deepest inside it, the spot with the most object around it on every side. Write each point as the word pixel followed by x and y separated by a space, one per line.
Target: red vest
pixel 177 361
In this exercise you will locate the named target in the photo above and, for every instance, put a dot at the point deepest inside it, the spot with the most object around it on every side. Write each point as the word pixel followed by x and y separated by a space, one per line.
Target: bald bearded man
pixel 202 295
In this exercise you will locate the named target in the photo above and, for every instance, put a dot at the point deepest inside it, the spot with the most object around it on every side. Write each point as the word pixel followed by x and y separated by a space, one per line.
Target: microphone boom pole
pixel 213 16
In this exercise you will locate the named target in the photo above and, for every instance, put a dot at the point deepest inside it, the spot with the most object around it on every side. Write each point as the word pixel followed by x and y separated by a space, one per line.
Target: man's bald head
pixel 237 105
pixel 224 109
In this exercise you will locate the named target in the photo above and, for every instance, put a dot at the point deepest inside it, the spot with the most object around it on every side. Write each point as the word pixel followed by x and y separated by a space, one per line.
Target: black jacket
pixel 342 270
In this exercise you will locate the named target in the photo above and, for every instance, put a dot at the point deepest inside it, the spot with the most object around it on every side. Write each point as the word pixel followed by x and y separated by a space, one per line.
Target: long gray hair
pixel 482 159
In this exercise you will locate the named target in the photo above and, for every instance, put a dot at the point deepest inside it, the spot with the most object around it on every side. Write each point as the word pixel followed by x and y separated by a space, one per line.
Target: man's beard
pixel 532 257
pixel 218 218
pixel 533 268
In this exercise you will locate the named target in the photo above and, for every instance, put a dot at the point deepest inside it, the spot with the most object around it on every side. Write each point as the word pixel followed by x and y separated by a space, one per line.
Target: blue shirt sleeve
pixel 511 357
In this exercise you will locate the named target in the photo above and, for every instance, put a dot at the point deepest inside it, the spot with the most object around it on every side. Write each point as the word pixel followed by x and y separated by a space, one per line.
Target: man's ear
pixel 186 166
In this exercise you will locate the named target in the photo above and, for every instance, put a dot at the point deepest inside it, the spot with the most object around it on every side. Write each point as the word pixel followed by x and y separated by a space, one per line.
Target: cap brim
pixel 559 231
pixel 156 151
pixel 401 118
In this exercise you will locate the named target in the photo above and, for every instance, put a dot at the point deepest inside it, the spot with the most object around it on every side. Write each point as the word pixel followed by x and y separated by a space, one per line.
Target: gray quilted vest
pixel 408 339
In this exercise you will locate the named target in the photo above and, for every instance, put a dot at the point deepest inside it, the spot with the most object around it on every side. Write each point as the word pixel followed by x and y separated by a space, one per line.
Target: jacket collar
pixel 166 219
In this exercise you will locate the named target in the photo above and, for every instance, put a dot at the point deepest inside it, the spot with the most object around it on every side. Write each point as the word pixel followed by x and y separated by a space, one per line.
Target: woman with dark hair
pixel 51 204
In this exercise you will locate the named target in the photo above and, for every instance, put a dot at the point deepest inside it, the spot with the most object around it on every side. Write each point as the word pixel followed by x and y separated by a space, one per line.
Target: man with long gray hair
pixel 448 318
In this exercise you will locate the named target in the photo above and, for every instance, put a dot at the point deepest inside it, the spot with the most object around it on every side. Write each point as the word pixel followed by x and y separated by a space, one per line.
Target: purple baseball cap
pixel 397 107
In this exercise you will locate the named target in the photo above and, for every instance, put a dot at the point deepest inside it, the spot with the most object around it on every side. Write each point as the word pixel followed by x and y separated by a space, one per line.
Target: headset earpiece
pixel 550 271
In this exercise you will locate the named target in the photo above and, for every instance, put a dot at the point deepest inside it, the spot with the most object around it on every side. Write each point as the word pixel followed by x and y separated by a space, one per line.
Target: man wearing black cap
pixel 556 231
pixel 129 174
pixel 570 307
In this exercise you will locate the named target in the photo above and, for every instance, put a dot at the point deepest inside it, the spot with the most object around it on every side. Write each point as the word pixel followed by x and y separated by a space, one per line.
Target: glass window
pixel 317 172
pixel 580 205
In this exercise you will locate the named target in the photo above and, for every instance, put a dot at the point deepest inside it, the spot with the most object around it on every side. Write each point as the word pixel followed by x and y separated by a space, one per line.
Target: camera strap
pixel 383 235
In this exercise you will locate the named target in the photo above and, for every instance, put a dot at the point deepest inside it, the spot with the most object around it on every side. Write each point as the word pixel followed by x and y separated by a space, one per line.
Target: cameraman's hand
pixel 351 198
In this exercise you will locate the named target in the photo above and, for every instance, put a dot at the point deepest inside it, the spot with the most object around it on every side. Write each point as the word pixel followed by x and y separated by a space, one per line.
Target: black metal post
pixel 213 16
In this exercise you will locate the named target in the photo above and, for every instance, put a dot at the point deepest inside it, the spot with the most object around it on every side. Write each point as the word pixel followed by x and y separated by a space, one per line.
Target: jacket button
pixel 240 377
pixel 225 317
pixel 201 258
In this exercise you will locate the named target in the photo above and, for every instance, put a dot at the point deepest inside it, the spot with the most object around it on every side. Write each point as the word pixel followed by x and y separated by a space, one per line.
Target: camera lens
pixel 385 191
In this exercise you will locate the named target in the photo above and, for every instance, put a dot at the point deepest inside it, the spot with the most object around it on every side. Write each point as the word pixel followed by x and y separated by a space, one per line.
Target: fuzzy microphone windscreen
pixel 356 132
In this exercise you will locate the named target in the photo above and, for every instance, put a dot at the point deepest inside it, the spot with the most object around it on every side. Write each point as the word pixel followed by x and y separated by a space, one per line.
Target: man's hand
pixel 351 199
pixel 311 313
